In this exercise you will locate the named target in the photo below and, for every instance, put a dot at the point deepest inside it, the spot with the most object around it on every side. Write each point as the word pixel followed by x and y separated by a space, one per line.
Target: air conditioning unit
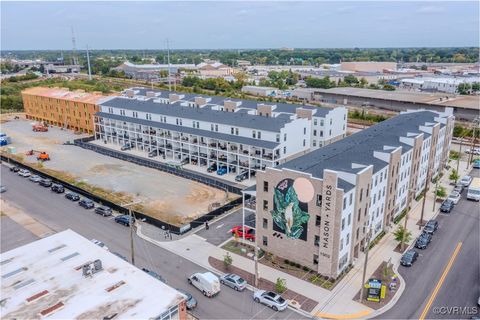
pixel 89 269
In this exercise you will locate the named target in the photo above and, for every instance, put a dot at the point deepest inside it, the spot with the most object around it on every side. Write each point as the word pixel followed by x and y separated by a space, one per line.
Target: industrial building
pixel 65 276
pixel 150 72
pixel 216 132
pixel 61 107
pixel 318 209
pixel 261 91
pixel 368 66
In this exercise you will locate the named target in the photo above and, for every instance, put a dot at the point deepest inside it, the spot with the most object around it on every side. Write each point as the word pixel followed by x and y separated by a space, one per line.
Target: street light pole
pixel 410 191
pixel 365 262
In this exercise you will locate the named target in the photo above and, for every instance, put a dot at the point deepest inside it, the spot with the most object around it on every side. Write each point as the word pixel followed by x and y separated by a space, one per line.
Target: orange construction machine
pixel 39 127
pixel 42 155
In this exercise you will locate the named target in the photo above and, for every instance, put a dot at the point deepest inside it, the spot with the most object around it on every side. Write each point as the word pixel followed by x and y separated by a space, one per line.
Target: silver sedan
pixel 233 281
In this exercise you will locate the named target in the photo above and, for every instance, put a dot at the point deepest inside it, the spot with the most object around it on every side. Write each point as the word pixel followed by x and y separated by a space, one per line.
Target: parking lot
pixel 164 196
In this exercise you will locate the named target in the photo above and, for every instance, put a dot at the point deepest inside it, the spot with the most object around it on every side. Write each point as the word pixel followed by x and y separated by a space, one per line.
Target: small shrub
pixel 280 285
pixel 227 260
pixel 286 261
pixel 306 269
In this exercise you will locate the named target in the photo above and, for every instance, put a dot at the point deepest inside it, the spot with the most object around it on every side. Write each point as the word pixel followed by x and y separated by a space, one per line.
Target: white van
pixel 206 282
pixel 474 190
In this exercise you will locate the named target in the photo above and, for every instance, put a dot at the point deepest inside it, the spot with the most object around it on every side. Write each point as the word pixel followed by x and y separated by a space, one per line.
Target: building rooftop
pixel 360 147
pixel 436 99
pixel 44 279
pixel 66 94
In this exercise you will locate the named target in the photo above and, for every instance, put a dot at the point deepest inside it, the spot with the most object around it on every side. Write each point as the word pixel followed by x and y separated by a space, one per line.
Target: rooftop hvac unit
pixel 89 269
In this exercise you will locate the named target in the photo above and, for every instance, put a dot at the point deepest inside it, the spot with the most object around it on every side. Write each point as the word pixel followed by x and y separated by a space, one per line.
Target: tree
pixel 454 176
pixel 388 87
pixel 350 80
pixel 280 285
pixel 324 83
pixel 227 260
pixel 441 192
pixel 190 81
pixel 402 235
pixel 476 86
pixel 464 88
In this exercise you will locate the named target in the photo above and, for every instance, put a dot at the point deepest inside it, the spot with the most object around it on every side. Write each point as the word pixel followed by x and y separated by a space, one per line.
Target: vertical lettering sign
pixel 328 215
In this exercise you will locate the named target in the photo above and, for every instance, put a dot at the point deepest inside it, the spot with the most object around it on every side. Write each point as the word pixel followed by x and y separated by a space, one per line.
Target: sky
pixel 246 24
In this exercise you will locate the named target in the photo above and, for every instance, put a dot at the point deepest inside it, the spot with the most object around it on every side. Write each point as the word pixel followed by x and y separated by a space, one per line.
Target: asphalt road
pixel 13 235
pixel 460 286
pixel 218 231
pixel 59 214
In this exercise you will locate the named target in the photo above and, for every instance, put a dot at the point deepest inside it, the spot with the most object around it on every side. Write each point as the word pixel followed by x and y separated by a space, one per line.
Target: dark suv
pixel 123 219
pixel 447 206
pixel 104 211
pixel 431 226
pixel 72 196
pixel 86 203
pixel 409 258
pixel 15 169
pixel 47 183
pixel 58 188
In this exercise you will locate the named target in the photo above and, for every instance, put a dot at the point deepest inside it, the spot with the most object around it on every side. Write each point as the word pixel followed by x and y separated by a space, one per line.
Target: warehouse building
pixel 65 276
pixel 318 209
pixel 261 91
pixel 151 72
pixel 61 107
pixel 241 136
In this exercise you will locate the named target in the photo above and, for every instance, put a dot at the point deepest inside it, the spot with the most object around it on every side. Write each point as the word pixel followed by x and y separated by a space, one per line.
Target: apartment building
pixel 61 107
pixel 319 209
pixel 240 135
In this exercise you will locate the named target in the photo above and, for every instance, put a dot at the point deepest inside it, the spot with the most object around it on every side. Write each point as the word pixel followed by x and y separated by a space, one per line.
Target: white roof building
pixel 46 279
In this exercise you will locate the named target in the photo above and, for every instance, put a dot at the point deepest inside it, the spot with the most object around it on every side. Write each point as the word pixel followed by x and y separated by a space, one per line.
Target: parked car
pixel 454 197
pixel 423 241
pixel 123 219
pixel 447 206
pixel 58 188
pixel 458 188
pixel 3 189
pixel 120 256
pixel 104 211
pixel 72 196
pixel 466 181
pixel 86 203
pixel 206 282
pixel 249 232
pixel 212 168
pixel 126 147
pixel 15 169
pixel 47 183
pixel 100 244
pixel 153 153
pixel 409 258
pixel 476 164
pixel 35 178
pixel 154 274
pixel 191 303
pixel 431 226
pixel 242 176
pixel 271 299
pixel 221 171
pixel 233 281
pixel 24 173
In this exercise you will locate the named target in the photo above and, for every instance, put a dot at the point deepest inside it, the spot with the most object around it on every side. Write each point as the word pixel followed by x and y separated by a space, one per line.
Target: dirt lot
pixel 164 196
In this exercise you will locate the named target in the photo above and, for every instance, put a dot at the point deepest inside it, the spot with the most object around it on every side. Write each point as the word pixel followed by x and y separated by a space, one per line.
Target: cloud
pixel 430 9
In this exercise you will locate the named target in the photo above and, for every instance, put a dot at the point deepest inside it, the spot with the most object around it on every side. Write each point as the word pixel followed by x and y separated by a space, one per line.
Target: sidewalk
pixel 337 303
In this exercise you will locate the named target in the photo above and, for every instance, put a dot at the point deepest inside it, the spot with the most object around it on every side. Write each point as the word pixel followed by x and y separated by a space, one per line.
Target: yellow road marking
pixel 358 315
pixel 440 282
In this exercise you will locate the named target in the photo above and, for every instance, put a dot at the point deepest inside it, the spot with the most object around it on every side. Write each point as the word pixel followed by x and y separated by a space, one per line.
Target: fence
pixel 139 215
pixel 184 173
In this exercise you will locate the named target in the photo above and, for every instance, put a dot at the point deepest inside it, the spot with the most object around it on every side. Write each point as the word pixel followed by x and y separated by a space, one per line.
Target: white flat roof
pixel 46 275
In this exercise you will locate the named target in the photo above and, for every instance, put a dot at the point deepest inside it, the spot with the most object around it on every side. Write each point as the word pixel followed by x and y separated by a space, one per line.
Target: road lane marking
pixel 221 225
pixel 358 315
pixel 440 282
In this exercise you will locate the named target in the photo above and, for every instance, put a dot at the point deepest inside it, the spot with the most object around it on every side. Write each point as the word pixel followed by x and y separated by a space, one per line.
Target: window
pixel 361 194
pixel 350 200
pixel 304 130
pixel 321 122
pixel 216 127
pixel 232 130
pixel 265 205
pixel 277 138
pixel 259 135
pixel 284 137
pixel 341 244
pixel 211 126
pixel 265 186
pixel 254 134
pixel 315 259
pixel 265 223
pixel 330 132
pixel 236 131
pixel 321 133
pixel 314 122
pixel 343 224
pixel 316 241
pixel 347 240
pixel 349 218
pixel 284 150
pixel 314 133
pixel 304 142
pixel 359 214
pixel 319 200
pixel 314 143
pixel 318 220
pixel 344 203
pixel 265 241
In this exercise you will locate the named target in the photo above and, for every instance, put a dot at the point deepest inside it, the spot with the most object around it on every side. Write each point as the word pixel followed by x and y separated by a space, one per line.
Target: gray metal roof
pixel 246 103
pixel 359 147
pixel 201 114
pixel 189 130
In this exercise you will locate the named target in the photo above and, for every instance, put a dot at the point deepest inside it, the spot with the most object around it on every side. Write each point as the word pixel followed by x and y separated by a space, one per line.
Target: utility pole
pixel 88 62
pixel 427 182
pixel 256 263
pixel 168 61
pixel 459 153
pixel 435 195
pixel 369 236
pixel 74 49
pixel 409 207
pixel 131 225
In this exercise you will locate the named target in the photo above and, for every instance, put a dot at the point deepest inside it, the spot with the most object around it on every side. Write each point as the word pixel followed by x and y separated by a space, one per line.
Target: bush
pixel 441 192
pixel 227 260
pixel 306 269
pixel 397 219
pixel 280 285
pixel 286 261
